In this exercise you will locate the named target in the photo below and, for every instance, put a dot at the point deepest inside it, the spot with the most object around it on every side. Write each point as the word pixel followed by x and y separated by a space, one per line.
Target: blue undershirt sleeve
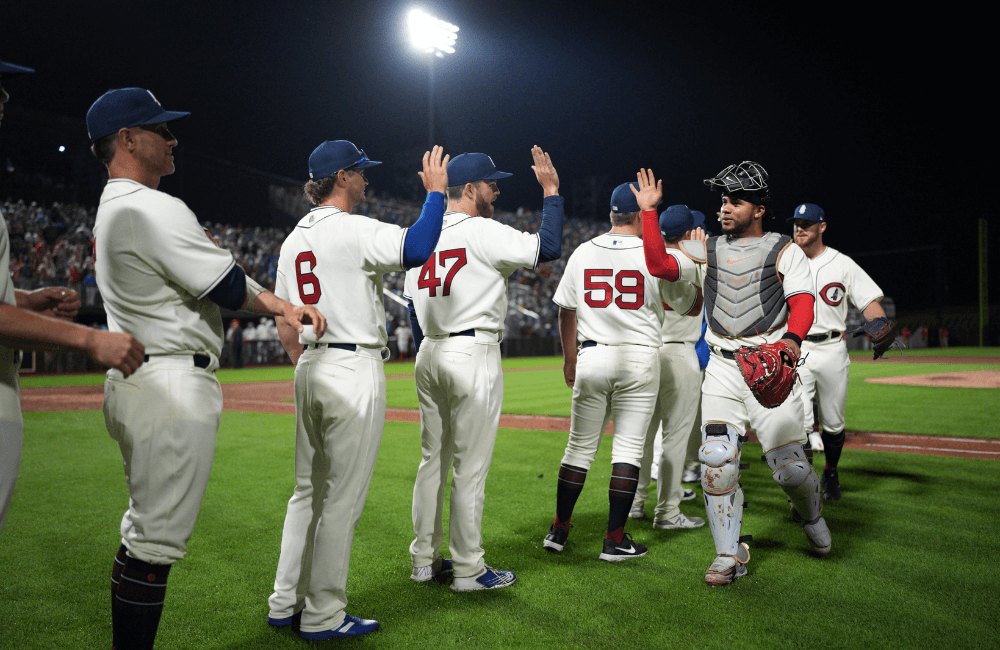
pixel 422 237
pixel 231 292
pixel 418 334
pixel 550 232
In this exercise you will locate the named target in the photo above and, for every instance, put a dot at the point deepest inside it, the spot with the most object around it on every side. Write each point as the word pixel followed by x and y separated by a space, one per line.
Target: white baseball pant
pixel 825 374
pixel 11 428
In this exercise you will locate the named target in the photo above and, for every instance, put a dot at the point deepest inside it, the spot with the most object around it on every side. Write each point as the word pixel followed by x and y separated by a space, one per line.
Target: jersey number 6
pixel 309 290
pixel 428 280
pixel 635 287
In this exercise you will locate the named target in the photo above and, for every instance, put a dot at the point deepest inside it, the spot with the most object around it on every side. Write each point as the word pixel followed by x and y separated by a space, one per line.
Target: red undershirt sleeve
pixel 659 263
pixel 800 314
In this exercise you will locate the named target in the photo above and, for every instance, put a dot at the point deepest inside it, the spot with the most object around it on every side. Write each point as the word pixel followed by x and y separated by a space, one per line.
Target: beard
pixel 484 207
pixel 738 228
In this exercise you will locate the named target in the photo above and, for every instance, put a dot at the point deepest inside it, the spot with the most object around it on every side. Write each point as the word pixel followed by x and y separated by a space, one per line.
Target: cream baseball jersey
pixel 154 267
pixel 6 285
pixel 838 277
pixel 464 283
pixel 335 261
pixel 793 269
pixel 616 300
pixel 678 328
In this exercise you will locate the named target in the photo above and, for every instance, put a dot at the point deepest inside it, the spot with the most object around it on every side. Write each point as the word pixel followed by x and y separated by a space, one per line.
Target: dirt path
pixel 277 396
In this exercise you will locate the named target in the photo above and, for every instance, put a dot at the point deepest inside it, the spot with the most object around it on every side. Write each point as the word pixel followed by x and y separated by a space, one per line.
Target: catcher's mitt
pixel 769 376
pixel 882 333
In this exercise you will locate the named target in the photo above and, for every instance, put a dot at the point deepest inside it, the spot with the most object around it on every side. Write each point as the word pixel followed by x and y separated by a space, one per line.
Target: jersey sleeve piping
pixel 217 280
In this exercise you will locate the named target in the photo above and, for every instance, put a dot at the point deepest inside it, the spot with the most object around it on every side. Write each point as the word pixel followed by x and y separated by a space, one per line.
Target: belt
pixel 588 344
pixel 350 347
pixel 468 332
pixel 200 360
pixel 726 354
pixel 816 338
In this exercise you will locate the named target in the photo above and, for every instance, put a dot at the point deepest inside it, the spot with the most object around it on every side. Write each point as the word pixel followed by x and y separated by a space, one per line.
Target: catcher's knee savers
pixel 791 470
pixel 720 479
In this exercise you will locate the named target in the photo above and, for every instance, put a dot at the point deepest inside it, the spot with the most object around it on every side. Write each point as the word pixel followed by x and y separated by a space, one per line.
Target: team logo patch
pixel 833 294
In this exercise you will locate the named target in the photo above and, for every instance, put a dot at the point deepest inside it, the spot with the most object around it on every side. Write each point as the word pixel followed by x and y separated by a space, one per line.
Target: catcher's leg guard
pixel 720 479
pixel 797 478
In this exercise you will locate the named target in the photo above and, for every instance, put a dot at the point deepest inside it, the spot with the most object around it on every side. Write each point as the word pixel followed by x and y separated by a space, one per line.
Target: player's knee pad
pixel 720 456
pixel 792 471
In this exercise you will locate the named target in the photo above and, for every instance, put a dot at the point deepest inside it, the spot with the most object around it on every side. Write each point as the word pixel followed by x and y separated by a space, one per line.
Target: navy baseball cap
pixel 623 200
pixel 9 70
pixel 471 167
pixel 126 107
pixel 675 221
pixel 334 155
pixel 699 219
pixel 809 212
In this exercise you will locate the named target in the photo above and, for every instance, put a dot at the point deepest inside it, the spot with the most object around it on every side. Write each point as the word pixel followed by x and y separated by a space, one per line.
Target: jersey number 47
pixel 428 279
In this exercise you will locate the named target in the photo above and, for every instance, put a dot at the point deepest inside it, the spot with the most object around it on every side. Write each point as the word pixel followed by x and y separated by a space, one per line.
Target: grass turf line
pixel 913 563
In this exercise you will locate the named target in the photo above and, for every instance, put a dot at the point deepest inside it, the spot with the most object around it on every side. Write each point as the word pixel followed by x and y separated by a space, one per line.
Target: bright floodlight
pixel 428 34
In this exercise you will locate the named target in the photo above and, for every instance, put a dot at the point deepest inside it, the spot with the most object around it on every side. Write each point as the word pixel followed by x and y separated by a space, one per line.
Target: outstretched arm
pixel 658 261
pixel 550 232
pixel 422 237
pixel 58 302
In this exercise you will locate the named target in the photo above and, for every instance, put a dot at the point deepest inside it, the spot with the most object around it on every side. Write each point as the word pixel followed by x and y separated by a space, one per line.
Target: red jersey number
pixel 309 291
pixel 630 285
pixel 429 280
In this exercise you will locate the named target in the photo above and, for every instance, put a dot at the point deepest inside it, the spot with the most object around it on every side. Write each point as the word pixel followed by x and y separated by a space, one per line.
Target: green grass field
pixel 914 565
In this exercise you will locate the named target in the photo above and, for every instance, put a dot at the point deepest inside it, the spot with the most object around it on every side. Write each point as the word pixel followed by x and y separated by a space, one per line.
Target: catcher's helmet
pixel 747 176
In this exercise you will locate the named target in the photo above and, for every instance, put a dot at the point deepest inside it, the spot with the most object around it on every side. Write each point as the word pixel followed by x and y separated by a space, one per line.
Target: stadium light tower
pixel 431 36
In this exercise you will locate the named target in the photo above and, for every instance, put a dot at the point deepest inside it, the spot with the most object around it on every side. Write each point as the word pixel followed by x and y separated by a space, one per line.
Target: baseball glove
pixel 769 375
pixel 882 333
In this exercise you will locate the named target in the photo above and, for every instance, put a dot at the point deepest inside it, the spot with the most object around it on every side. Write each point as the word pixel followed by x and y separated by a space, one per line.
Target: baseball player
pixel 458 306
pixel 335 260
pixel 611 310
pixel 162 281
pixel 824 374
pixel 679 398
pixel 756 283
pixel 37 320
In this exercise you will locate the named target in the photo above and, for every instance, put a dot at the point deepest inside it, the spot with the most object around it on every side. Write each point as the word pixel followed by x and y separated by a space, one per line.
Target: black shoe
pixel 830 485
pixel 556 539
pixel 624 551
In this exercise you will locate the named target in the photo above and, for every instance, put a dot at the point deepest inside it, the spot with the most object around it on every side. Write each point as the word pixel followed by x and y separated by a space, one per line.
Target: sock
pixel 833 444
pixel 116 574
pixel 137 604
pixel 571 481
pixel 621 492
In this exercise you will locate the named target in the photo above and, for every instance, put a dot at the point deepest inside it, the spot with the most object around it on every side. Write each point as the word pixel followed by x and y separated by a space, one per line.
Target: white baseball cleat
pixel 680 521
pixel 816 441
pixel 490 578
pixel 427 573
pixel 636 512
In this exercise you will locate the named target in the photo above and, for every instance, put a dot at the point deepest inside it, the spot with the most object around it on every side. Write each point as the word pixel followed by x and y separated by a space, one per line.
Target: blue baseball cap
pixel 124 108
pixel 9 70
pixel 699 219
pixel 471 167
pixel 675 221
pixel 334 155
pixel 809 212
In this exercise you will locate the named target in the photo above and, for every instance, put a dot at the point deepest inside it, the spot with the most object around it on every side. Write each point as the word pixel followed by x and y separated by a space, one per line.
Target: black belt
pixel 816 338
pixel 200 360
pixel 588 344
pixel 350 347
pixel 726 354
pixel 469 332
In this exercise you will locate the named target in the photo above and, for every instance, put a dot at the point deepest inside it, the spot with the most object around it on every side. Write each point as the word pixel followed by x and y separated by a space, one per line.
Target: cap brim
pixel 10 70
pixel 497 176
pixel 366 164
pixel 164 117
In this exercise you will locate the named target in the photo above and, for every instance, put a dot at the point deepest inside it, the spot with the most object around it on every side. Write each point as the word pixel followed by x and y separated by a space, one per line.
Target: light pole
pixel 432 36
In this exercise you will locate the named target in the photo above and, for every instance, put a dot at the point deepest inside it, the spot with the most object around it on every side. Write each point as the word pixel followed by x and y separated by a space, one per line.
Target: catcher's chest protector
pixel 743 293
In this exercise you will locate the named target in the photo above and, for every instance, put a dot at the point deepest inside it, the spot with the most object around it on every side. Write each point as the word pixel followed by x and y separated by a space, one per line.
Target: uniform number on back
pixel 309 290
pixel 629 285
pixel 452 260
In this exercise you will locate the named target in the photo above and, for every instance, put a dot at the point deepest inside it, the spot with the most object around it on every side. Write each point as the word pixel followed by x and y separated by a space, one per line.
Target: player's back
pixel 335 261
pixel 464 283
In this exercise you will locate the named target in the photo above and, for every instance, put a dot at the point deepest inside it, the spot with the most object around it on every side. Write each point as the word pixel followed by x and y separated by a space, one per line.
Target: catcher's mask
pixel 746 181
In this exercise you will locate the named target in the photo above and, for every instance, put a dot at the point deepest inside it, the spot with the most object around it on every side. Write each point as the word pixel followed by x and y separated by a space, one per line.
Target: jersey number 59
pixel 309 290
pixel 629 283
pixel 429 280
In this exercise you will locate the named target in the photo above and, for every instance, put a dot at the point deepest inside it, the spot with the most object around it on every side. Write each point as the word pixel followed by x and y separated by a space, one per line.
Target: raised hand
pixel 545 172
pixel 435 173
pixel 650 190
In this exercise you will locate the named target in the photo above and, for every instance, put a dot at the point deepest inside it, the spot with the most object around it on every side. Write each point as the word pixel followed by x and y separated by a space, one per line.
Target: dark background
pixel 871 113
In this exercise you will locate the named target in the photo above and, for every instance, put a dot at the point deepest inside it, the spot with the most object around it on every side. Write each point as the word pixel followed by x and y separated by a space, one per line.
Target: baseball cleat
pixel 636 512
pixel 691 476
pixel 816 441
pixel 727 568
pixel 680 521
pixel 292 620
pixel 438 570
pixel 490 578
pixel 627 549
pixel 352 626
pixel 830 484
pixel 819 535
pixel 556 539
pixel 687 495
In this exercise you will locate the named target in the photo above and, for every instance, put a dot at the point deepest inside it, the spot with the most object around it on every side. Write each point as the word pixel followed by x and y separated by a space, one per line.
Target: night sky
pixel 869 114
